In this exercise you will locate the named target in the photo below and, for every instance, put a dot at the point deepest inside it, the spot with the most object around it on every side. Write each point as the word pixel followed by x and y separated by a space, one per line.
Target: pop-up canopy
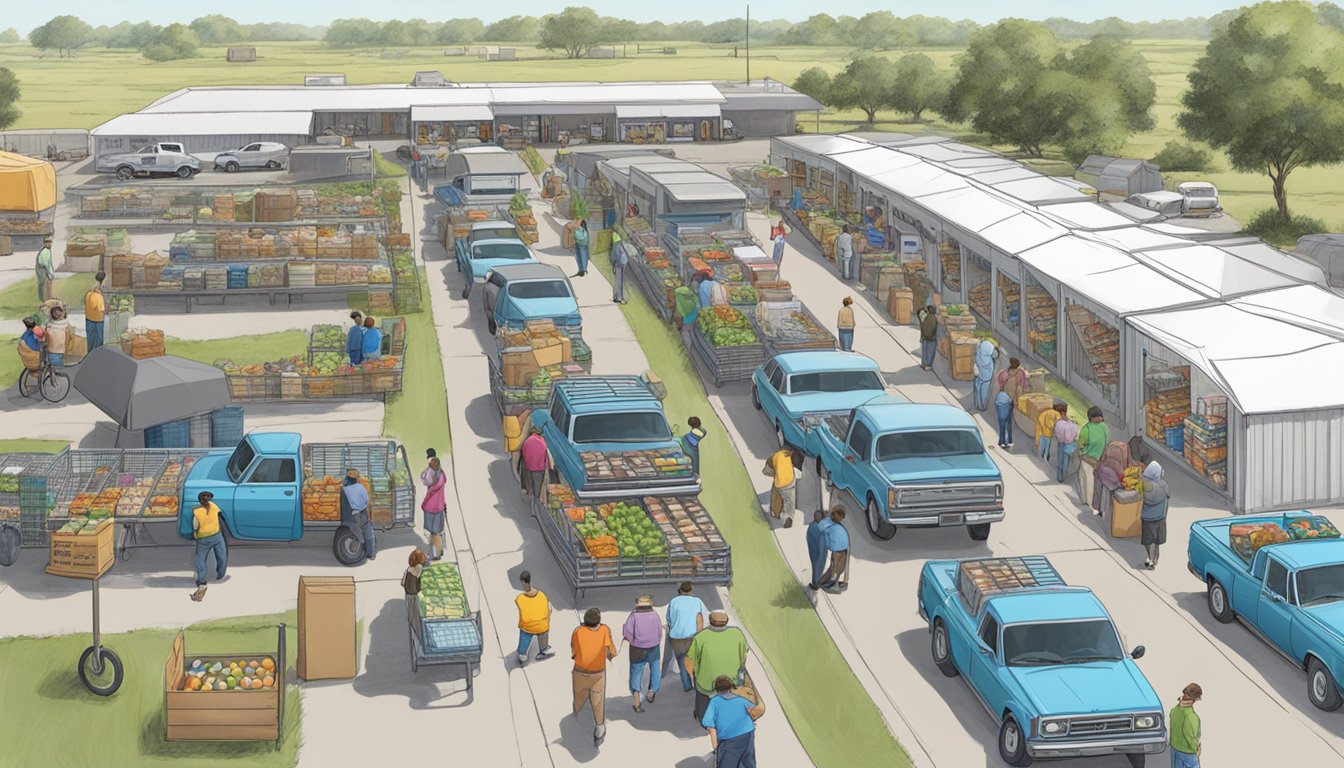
pixel 27 184
pixel 144 393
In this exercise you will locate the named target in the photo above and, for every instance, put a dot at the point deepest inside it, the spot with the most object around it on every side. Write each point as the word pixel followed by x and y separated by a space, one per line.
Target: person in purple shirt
pixel 644 632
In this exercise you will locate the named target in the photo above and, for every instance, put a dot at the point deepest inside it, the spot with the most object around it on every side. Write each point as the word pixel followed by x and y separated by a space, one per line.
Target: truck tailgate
pixel 392 500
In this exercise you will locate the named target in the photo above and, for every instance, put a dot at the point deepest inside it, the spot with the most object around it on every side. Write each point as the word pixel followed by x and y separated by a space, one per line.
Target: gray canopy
pixel 144 393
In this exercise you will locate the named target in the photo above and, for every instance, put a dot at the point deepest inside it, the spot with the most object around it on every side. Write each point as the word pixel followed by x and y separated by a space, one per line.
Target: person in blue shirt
pixel 685 617
pixel 1003 408
pixel 706 290
pixel 816 546
pixel 29 337
pixel 837 541
pixel 373 340
pixel 354 339
pixel 691 442
pixel 731 722
pixel 355 512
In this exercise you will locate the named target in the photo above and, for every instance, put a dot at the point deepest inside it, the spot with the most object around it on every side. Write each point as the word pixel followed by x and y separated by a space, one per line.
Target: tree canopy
pixel 814 82
pixel 10 35
pixel 175 41
pixel 574 30
pixel 215 29
pixel 9 98
pixel 514 29
pixel 62 34
pixel 865 83
pixel 918 85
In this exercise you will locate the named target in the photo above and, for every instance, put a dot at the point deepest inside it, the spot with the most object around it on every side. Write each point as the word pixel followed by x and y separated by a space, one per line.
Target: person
pixel 534 620
pixel 1092 440
pixel 533 461
pixel 414 169
pixel 816 546
pixel 95 312
pixel 777 234
pixel 845 324
pixel 687 306
pixel 1013 379
pixel 355 502
pixel 784 466
pixel 45 275
pixel 690 442
pixel 985 355
pixel 30 338
pixel 705 289
pixel 1065 441
pixel 372 340
pixel 928 336
pixel 1109 476
pixel 1156 498
pixel 410 580
pixel 205 530
pixel 591 648
pixel 619 261
pixel 1185 730
pixel 615 233
pixel 643 630
pixel 718 651
pixel 844 253
pixel 685 618
pixel 1003 409
pixel 354 339
pixel 1045 429
pixel 58 329
pixel 422 172
pixel 581 247
pixel 731 722
pixel 837 541
pixel 434 505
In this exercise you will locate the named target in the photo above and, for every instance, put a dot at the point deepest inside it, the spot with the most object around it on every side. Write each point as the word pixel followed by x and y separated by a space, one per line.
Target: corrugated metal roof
pixel 666 110
pixel 822 144
pixel 721 191
pixel 449 114
pixel 1040 190
pixel 208 124
pixel 1213 270
pixel 1086 215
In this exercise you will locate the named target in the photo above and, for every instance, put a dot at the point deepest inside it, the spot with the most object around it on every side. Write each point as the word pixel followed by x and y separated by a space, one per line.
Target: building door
pixel 388 128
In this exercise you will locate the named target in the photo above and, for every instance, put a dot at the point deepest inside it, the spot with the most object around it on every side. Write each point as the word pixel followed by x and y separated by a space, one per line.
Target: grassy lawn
pixel 244 350
pixel 24 445
pixel 832 714
pixel 418 415
pixel 47 711
pixel 385 168
pixel 20 299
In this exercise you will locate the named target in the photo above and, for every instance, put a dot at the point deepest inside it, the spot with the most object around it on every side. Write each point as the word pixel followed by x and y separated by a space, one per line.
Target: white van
pixel 1201 198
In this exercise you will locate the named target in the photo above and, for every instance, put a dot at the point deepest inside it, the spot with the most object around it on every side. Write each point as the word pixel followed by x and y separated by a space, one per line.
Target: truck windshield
pixel 1320 585
pixel 239 461
pixel 541 289
pixel 835 381
pixel 1063 642
pixel 1197 192
pixel 930 444
pixel 636 427
pixel 500 251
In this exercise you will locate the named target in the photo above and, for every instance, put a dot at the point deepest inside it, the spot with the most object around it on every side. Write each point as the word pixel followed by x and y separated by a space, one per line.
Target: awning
pixel 706 193
pixel 26 184
pixel 461 113
pixel 646 111
pixel 144 393
pixel 163 124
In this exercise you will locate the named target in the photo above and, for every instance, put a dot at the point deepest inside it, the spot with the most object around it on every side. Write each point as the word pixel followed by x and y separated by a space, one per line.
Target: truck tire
pixel 880 528
pixel 10 542
pixel 979 531
pixel 1013 743
pixel 1136 759
pixel 184 172
pixel 1219 605
pixel 941 648
pixel 231 166
pixel 125 173
pixel 1321 688
pixel 347 547
pixel 755 397
pixel 273 165
pixel 780 440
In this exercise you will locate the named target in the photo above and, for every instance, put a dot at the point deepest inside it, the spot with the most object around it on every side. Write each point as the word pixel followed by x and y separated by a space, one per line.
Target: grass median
pixel 834 717
pixel 418 415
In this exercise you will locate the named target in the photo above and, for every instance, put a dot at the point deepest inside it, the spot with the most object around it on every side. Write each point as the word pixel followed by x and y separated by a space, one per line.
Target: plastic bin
pixel 174 434
pixel 226 426
pixel 201 431
pixel 1175 439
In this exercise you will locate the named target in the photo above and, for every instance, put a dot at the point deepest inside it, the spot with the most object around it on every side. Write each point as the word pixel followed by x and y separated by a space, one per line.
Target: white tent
pixel 1213 271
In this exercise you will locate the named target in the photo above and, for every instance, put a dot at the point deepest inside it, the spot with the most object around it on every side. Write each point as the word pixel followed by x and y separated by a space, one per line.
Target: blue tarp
pixel 450 195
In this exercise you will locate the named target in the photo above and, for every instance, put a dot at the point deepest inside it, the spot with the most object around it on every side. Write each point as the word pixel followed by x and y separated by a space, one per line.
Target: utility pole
pixel 748 43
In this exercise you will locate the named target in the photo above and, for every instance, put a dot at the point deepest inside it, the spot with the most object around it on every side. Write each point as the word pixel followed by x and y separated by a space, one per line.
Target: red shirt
pixel 534 454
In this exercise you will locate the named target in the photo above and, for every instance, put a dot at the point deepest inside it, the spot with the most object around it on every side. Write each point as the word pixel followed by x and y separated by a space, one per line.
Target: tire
pixel 347 547
pixel 1136 759
pixel 10 542
pixel 979 531
pixel 184 172
pixel 273 165
pixel 125 173
pixel 105 681
pixel 490 324
pixel 880 528
pixel 27 383
pixel 755 397
pixel 1013 743
pixel 779 437
pixel 1321 688
pixel 231 166
pixel 1219 605
pixel 940 647
pixel 466 292
pixel 55 386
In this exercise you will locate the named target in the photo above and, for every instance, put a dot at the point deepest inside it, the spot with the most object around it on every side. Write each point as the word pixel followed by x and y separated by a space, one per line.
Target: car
pixel 1044 658
pixel 1167 204
pixel 258 154
pixel 1290 593
pixel 495 229
pixel 484 255
pixel 794 385
pixel 518 293
pixel 1201 198
pixel 163 158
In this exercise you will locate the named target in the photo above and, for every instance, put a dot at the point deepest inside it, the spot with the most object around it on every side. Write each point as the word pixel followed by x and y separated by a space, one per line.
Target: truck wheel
pixel 490 325
pixel 348 548
pixel 125 172
pixel 779 437
pixel 231 167
pixel 1136 759
pixel 941 648
pixel 1218 603
pixel 1321 688
pixel 879 527
pixel 10 541
pixel 755 397
pixel 1013 744
pixel 979 531
pixel 273 165
pixel 184 172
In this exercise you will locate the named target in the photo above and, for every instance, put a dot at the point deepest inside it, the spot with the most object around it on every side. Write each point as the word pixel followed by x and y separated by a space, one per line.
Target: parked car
pixel 910 465
pixel 258 154
pixel 1044 659
pixel 484 255
pixel 793 385
pixel 518 293
pixel 1291 593
pixel 497 229
pixel 154 160
pixel 1201 198
pixel 1169 204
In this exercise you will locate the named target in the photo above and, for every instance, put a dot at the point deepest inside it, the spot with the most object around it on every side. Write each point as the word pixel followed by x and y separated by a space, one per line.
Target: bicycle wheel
pixel 55 385
pixel 27 383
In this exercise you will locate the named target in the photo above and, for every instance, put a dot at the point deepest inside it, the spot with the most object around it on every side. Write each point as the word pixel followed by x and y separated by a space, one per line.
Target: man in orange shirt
pixel 591 646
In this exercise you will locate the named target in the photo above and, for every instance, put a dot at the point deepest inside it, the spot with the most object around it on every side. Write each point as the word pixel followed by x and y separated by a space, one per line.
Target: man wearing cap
pixel 45 275
pixel 643 630
pixel 355 504
pixel 718 651
pixel 731 722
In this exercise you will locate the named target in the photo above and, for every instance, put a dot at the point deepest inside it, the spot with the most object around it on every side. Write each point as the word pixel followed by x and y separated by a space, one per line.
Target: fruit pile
pixel 592 525
pixel 1133 480
pixel 441 593
pixel 239 675
pixel 327 363
pixel 559 495
pixel 726 327
pixel 84 526
pixel 742 294
pixel 636 535
pixel 322 498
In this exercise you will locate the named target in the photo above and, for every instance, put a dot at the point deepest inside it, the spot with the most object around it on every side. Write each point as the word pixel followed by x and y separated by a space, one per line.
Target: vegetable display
pixel 205 675
pixel 442 595
pixel 726 327
pixel 743 294
pixel 684 522
pixel 327 337
pixel 670 462
pixel 636 535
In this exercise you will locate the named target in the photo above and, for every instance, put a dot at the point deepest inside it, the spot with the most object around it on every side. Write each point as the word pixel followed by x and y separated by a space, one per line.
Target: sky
pixel 26 15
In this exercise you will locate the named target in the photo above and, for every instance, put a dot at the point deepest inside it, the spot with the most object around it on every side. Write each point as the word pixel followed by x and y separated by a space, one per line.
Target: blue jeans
pixel 213 543
pixel 1065 451
pixel 650 663
pixel 581 256
pixel 778 254
pixel 737 752
pixel 847 339
pixel 981 394
pixel 676 651
pixel 617 282
pixel 364 528
pixel 525 641
pixel 1043 447
pixel 1006 430
pixel 609 218
pixel 1184 760
pixel 94 332
pixel 57 359
pixel 927 349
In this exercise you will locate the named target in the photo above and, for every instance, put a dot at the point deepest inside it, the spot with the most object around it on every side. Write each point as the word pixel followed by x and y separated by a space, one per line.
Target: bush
pixel 1182 156
pixel 1268 225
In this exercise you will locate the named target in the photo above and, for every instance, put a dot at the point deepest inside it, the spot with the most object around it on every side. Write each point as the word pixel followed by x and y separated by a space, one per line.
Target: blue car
pixel 793 385
pixel 1044 659
pixel 1290 593
pixel 517 293
pixel 484 255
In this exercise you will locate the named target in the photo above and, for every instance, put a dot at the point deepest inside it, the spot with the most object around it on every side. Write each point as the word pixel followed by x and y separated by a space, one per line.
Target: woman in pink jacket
pixel 433 505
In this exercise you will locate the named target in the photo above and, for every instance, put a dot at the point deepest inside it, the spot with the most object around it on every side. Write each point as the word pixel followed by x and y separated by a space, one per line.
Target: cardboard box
pixel 1126 520
pixel 901 305
pixel 327 628
pixel 551 350
pixel 518 367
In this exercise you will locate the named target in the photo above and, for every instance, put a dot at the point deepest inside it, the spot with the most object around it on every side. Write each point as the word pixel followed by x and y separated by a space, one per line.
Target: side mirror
pixel 1138 652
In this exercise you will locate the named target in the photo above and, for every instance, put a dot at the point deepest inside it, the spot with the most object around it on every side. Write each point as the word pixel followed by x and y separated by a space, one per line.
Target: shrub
pixel 1182 156
pixel 1268 225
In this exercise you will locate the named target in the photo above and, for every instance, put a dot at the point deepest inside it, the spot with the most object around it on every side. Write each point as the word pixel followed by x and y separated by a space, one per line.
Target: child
pixel 410 580
pixel 691 442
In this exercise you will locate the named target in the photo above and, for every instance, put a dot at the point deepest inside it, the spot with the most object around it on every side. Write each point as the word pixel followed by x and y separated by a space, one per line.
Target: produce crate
pixel 507 398
pixel 174 434
pixel 383 463
pixel 782 333
pixel 253 387
pixel 24 501
pixel 83 555
pixel 228 715
pixel 727 363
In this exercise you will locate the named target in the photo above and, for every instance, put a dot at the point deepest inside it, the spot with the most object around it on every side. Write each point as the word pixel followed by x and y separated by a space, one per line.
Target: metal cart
pixel 444 641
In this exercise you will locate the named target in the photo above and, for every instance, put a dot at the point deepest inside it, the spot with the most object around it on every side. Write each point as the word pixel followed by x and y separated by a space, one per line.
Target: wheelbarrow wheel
pixel 100 670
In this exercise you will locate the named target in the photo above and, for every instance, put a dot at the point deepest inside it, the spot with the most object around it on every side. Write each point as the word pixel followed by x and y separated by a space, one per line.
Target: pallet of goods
pixel 949 255
pixel 143 344
pixel 789 325
pixel 232 697
pixel 82 548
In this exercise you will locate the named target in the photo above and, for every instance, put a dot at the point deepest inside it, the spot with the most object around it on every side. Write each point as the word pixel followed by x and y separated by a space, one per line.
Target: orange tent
pixel 26 184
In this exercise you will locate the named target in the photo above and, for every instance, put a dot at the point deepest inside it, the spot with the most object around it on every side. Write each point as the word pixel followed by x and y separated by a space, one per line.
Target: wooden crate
pixel 222 715
pixel 82 555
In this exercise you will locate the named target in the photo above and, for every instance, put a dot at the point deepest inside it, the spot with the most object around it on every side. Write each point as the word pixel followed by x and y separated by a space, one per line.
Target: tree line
pixel 66 34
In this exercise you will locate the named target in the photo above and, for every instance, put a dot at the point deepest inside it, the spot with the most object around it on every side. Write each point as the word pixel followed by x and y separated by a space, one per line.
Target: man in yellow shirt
pixel 1045 429
pixel 783 465
pixel 534 620
pixel 95 309
pixel 209 538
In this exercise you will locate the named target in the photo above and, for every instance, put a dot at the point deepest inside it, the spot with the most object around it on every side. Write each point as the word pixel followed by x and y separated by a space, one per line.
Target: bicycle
pixel 52 383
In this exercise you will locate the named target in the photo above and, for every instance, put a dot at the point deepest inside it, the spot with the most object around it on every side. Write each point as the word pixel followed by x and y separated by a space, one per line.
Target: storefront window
pixel 949 256
pixel 1010 304
pixel 1185 412
pixel 683 131
pixel 1094 351
pixel 1043 312
pixel 979 293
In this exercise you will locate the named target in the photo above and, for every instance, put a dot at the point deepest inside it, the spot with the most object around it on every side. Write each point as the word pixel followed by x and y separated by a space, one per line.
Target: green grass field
pixel 418 415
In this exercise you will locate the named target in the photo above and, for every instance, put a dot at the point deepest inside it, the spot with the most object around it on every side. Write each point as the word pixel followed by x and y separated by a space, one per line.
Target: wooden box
pixel 901 305
pixel 83 555
pixel 238 715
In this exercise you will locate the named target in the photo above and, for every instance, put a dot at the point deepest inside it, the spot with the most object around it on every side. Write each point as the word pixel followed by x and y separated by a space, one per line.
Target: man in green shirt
pixel 1184 726
pixel 45 275
pixel 716 650
pixel 1092 440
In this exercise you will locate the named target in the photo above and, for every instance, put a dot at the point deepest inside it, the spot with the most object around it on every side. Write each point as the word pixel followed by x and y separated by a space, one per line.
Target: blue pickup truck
pixel 1044 659
pixel 610 440
pixel 484 255
pixel 909 465
pixel 1290 593
pixel 517 293
pixel 794 385
pixel 273 487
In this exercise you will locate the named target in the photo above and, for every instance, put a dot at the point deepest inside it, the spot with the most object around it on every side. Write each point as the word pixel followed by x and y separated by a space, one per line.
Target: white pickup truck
pixel 155 159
